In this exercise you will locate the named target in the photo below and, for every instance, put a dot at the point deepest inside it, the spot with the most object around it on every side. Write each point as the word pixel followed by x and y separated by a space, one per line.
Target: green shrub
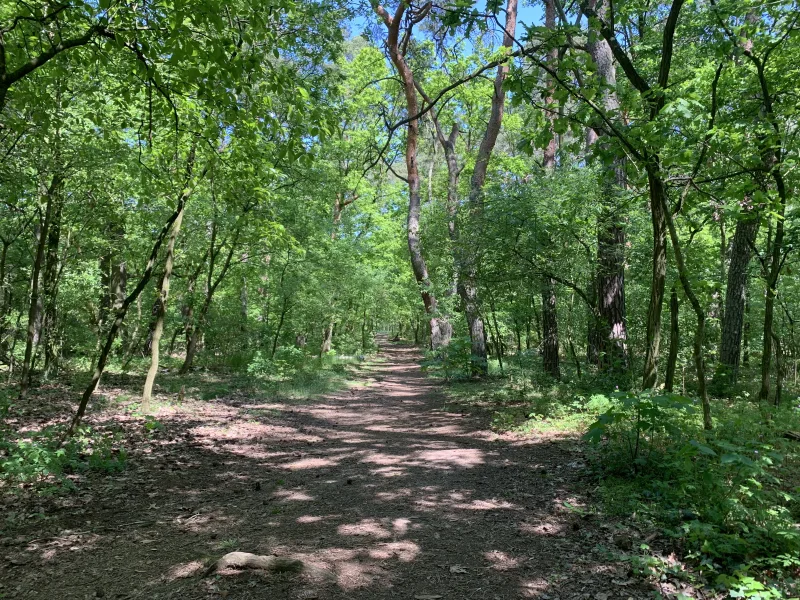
pixel 40 456
pixel 719 492
pixel 452 360
pixel 287 361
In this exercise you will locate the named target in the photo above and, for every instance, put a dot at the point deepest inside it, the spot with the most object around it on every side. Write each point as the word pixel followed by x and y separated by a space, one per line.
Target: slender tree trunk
pixel 327 339
pixel 570 326
pixel 3 297
pixel 284 310
pixel 773 275
pixel 194 338
pixel 34 310
pixel 123 309
pixel 699 335
pixel 440 329
pixel 158 329
pixel 549 312
pixel 550 357
pixel 674 340
pixel 746 334
pixel 364 331
pixel 51 280
pixel 593 342
pixel 780 368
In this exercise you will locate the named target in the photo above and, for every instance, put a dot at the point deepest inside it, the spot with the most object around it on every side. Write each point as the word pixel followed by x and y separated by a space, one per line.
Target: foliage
pixel 453 360
pixel 42 457
pixel 722 493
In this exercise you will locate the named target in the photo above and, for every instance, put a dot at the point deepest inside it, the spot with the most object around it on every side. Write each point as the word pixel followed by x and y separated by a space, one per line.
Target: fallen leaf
pixel 458 569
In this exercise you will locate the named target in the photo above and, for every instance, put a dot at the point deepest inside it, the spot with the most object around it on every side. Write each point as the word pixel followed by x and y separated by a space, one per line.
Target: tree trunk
pixel 550 357
pixel 699 335
pixel 780 368
pixel 611 293
pixel 657 202
pixel 674 340
pixel 440 329
pixel 746 334
pixel 194 331
pixel 611 333
pixel 327 339
pixel 161 311
pixel 3 298
pixel 500 345
pixel 51 278
pixel 735 297
pixel 284 310
pixel 775 265
pixel 123 309
pixel 34 310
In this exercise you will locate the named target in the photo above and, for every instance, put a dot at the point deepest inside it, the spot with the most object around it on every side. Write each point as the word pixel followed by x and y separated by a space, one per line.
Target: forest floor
pixel 383 490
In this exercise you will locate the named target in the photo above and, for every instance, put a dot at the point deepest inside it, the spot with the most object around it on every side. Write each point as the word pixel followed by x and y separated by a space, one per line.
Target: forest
pixel 319 299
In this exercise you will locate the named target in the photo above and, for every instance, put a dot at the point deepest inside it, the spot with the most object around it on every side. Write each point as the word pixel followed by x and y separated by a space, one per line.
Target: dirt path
pixel 379 490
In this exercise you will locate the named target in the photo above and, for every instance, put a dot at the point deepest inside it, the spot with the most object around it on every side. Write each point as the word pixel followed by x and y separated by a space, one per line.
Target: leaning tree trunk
pixel 550 357
pixel 193 333
pixel 700 331
pixel 468 277
pixel 161 311
pixel 735 296
pixel 119 317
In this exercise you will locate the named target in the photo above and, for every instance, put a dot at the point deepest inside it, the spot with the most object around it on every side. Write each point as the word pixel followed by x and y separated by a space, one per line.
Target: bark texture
pixel 550 358
pixel 34 307
pixel 161 311
pixel 735 297
pixel 657 202
pixel 674 340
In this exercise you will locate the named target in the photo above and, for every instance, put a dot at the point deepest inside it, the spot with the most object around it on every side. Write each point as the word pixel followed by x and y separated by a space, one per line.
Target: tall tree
pixel 440 328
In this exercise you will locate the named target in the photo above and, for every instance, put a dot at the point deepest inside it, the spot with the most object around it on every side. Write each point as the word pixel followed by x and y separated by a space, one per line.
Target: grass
pixel 522 399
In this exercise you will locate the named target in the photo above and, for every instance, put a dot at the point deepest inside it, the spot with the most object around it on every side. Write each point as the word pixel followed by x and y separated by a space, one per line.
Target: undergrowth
pixel 42 459
pixel 726 500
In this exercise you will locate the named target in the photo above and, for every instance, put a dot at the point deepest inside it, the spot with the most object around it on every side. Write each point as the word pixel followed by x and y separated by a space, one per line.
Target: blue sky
pixel 529 13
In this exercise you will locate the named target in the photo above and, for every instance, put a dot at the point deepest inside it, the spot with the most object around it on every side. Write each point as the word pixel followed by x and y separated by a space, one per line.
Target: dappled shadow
pixel 379 490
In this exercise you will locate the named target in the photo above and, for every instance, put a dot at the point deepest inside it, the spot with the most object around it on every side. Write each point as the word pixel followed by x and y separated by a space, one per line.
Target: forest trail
pixel 379 489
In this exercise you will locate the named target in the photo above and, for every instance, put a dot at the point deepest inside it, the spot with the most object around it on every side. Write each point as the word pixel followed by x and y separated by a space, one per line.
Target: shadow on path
pixel 378 489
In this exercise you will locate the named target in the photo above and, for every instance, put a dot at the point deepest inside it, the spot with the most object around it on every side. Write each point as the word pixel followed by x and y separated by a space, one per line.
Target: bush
pixel 287 361
pixel 452 360
pixel 719 492
pixel 41 456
